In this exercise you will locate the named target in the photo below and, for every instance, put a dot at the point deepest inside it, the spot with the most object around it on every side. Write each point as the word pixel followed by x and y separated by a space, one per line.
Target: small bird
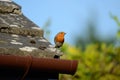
pixel 59 39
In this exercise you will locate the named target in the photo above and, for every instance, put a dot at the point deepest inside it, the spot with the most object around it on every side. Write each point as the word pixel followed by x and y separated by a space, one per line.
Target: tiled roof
pixel 20 36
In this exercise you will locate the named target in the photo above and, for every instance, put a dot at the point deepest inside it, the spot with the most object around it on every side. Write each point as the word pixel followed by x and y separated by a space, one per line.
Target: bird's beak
pixel 65 33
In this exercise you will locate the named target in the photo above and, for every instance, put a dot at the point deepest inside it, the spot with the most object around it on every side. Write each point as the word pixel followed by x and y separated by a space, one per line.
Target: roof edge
pixel 39 64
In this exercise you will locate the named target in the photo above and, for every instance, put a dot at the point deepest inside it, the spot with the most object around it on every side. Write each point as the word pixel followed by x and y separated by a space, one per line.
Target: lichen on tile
pixel 28 48
pixel 14 35
pixel 42 40
pixel 15 42
pixel 36 28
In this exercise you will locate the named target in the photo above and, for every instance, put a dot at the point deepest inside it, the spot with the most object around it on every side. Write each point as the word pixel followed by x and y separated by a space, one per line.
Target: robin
pixel 59 39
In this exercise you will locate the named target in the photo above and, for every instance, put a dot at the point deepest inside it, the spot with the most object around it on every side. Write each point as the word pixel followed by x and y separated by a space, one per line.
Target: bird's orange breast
pixel 60 39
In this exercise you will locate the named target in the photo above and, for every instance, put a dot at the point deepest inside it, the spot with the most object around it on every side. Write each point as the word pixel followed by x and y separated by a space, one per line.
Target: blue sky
pixel 71 16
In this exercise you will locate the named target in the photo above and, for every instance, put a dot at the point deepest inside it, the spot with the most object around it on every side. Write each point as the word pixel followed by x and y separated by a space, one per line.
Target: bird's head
pixel 62 33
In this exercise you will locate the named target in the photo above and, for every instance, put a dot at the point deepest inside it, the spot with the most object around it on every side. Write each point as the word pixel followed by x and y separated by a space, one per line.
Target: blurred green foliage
pixel 97 61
